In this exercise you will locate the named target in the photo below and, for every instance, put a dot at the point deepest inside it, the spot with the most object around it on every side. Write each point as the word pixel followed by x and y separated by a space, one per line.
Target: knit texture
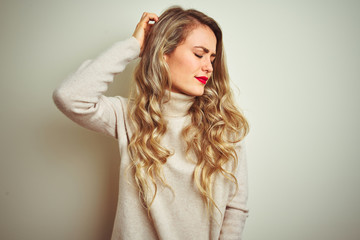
pixel 178 215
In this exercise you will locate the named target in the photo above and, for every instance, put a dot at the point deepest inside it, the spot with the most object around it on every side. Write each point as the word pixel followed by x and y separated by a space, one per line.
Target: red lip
pixel 202 79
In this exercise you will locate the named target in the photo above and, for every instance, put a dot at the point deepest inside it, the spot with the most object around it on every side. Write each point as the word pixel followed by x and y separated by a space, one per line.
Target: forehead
pixel 201 36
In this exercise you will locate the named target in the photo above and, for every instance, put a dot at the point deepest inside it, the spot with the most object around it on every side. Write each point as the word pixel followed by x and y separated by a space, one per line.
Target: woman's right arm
pixel 81 95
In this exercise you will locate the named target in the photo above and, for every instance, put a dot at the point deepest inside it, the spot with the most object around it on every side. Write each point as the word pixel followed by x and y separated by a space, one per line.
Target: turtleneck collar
pixel 178 105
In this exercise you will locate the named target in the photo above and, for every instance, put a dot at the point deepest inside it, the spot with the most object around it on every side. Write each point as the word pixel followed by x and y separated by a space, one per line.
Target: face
pixel 190 64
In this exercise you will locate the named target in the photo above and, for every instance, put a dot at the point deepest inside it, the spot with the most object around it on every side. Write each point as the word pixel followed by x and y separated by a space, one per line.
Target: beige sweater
pixel 181 216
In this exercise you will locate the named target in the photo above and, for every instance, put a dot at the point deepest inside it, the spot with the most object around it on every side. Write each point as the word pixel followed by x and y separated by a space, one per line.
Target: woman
pixel 183 167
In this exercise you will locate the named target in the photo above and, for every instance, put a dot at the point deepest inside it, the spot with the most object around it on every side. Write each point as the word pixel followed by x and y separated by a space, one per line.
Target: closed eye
pixel 199 56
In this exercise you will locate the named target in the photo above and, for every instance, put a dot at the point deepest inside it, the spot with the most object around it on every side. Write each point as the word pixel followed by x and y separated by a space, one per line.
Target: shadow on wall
pixel 123 81
pixel 82 174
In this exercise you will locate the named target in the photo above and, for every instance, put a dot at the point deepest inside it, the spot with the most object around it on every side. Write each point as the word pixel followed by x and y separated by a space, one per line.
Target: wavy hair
pixel 216 123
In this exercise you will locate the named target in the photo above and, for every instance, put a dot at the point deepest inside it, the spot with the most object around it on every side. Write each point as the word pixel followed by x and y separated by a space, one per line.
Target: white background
pixel 296 65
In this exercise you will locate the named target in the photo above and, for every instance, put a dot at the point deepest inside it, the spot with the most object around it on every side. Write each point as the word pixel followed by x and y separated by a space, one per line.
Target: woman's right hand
pixel 143 27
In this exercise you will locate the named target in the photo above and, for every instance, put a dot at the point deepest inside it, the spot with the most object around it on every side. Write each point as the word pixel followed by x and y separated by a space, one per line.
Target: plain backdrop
pixel 294 67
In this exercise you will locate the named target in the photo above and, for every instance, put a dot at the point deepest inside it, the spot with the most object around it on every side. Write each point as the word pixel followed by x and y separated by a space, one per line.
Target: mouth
pixel 202 79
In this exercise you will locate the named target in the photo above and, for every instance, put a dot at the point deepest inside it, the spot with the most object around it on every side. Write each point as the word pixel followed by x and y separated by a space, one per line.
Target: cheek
pixel 188 65
pixel 179 66
pixel 182 65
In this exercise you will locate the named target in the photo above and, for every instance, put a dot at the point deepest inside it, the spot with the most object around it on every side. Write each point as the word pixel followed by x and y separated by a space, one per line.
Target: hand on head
pixel 142 28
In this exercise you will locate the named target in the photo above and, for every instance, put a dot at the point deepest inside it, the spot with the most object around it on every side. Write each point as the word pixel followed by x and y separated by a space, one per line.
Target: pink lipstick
pixel 202 79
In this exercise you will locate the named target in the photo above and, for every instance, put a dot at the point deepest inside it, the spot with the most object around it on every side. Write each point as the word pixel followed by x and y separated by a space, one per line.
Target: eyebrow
pixel 206 50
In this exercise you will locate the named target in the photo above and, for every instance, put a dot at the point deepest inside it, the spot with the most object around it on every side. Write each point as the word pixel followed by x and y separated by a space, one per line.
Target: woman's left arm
pixel 236 210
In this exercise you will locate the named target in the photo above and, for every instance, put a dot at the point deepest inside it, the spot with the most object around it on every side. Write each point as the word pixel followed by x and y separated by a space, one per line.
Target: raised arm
pixel 81 95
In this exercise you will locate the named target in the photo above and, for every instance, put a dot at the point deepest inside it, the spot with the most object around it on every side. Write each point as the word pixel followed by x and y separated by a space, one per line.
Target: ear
pixel 165 57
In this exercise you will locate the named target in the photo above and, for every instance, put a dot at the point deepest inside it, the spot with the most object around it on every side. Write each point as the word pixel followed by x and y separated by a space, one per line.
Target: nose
pixel 207 66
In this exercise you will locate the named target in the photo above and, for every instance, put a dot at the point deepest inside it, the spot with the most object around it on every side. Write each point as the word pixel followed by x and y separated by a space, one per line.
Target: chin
pixel 198 91
pixel 189 90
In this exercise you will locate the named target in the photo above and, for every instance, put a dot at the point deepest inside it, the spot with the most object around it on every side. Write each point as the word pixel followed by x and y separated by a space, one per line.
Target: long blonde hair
pixel 216 124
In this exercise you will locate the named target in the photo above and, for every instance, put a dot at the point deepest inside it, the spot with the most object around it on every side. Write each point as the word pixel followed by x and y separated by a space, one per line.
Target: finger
pixel 146 17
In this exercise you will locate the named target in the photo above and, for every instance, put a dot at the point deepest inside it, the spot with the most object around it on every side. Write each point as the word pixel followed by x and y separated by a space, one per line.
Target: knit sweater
pixel 178 215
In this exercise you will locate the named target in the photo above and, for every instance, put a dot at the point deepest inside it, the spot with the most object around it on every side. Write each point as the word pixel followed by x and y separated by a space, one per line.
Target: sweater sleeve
pixel 80 96
pixel 237 211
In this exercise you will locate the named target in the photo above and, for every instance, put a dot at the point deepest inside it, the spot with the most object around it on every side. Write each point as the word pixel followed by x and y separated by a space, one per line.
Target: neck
pixel 176 104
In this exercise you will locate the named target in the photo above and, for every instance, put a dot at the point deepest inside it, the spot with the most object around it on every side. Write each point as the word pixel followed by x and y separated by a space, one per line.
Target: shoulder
pixel 118 104
pixel 122 102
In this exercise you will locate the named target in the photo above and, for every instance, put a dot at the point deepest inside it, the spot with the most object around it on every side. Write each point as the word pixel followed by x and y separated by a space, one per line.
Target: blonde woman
pixel 183 168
